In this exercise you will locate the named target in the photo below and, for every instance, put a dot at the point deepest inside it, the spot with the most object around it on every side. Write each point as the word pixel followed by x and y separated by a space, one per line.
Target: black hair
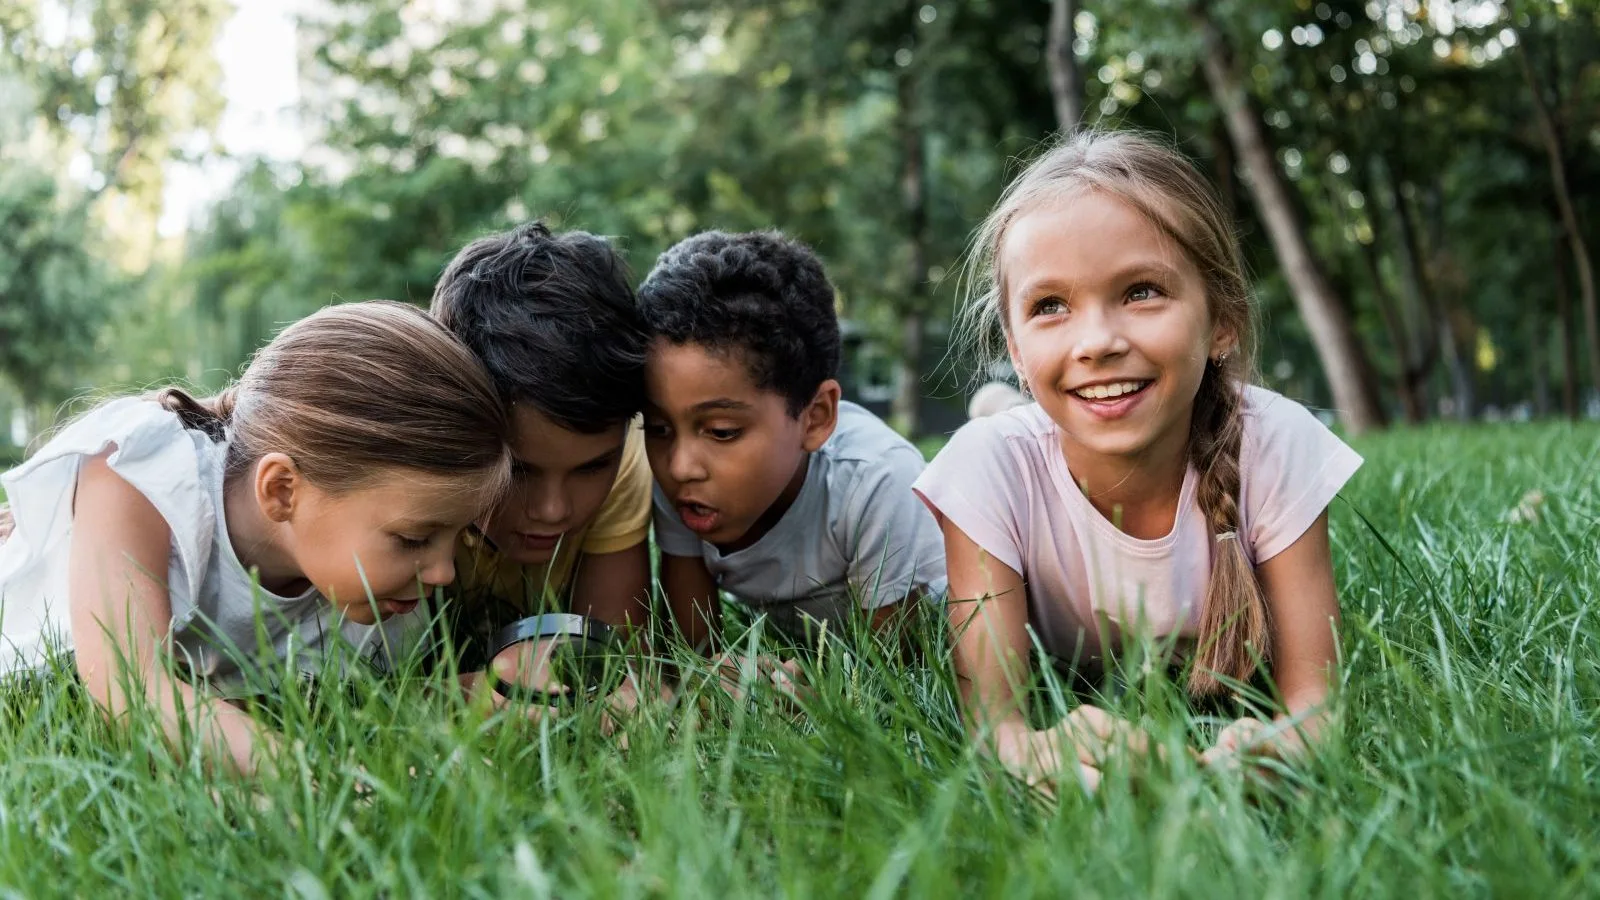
pixel 760 295
pixel 554 320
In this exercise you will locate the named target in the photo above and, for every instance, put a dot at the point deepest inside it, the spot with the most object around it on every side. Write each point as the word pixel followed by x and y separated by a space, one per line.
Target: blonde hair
pixel 355 388
pixel 1158 181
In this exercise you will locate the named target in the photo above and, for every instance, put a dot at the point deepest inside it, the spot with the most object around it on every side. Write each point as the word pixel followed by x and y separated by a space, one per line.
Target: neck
pixel 1138 493
pixel 258 541
pixel 775 512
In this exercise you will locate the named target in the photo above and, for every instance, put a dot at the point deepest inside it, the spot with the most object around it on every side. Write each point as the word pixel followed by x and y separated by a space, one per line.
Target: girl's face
pixel 375 550
pixel 1107 322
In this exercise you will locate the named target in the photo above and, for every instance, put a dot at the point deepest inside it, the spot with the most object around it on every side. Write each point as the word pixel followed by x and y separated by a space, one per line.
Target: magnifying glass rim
pixel 592 632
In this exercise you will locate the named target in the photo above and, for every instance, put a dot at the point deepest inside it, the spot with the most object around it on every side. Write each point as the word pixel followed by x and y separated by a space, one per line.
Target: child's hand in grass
pixel 783 675
pixel 1250 738
pixel 1039 758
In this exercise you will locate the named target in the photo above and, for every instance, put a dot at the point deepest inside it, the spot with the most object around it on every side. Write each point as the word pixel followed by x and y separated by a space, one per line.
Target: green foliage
pixel 52 292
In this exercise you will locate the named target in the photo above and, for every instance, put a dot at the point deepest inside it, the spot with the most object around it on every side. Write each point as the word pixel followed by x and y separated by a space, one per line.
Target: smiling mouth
pixel 1111 391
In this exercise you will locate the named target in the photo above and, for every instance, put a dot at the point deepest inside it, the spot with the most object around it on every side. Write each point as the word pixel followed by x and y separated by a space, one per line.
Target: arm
pixel 120 613
pixel 1303 610
pixel 692 600
pixel 615 587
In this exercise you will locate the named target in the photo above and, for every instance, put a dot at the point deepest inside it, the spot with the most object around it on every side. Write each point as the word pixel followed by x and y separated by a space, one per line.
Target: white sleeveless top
pixel 224 626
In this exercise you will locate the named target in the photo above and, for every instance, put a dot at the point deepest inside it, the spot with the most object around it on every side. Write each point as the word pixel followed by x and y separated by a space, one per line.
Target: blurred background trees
pixel 1416 183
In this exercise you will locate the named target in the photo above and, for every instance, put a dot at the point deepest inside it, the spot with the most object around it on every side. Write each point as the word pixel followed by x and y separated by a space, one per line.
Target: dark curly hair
pixel 554 320
pixel 759 294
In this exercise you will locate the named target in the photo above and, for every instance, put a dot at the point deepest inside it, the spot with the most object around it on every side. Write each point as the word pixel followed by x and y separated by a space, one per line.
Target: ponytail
pixel 1234 633
pixel 209 415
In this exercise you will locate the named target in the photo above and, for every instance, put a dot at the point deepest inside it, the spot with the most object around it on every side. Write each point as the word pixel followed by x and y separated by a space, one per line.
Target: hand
pixel 782 674
pixel 1039 757
pixel 1241 738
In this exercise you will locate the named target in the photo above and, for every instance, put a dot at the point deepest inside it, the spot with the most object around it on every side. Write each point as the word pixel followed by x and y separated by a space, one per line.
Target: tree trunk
pixel 1349 373
pixel 914 202
pixel 1569 361
pixel 1066 82
pixel 1550 134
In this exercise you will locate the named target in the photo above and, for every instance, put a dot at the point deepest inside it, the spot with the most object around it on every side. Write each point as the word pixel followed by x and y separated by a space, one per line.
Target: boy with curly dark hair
pixel 769 486
pixel 554 319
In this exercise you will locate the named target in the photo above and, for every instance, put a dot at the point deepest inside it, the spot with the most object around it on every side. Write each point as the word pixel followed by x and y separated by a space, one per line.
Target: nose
pixel 683 463
pixel 1098 335
pixel 547 502
pixel 440 568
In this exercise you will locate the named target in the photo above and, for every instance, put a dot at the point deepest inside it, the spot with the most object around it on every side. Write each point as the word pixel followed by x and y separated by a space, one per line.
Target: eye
pixel 1145 291
pixel 655 430
pixel 411 543
pixel 594 468
pixel 724 434
pixel 1048 306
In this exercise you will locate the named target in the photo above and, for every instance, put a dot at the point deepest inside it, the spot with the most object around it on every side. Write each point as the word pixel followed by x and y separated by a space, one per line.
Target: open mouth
pixel 1112 391
pixel 698 517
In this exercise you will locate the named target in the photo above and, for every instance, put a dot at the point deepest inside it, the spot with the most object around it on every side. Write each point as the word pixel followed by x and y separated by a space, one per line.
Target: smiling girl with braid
pixel 1150 489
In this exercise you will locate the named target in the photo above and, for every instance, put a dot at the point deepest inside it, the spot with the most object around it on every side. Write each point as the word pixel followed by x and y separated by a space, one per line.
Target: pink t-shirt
pixel 1003 480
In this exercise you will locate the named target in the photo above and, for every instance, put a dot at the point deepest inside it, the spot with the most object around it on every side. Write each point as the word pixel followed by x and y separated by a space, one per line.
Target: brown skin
pixel 717 440
pixel 1096 293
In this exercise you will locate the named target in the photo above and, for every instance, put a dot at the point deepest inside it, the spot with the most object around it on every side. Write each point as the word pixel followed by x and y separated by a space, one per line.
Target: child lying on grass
pixel 769 486
pixel 179 549
pixel 1150 488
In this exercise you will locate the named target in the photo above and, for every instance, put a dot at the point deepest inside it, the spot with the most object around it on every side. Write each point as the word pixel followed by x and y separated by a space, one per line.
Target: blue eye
pixel 1049 306
pixel 1144 292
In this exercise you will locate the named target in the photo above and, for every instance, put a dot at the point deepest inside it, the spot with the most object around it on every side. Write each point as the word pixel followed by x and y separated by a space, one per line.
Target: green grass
pixel 1467 763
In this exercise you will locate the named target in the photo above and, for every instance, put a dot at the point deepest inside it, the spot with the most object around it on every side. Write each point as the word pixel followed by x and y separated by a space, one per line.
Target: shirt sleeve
pixel 1291 467
pixel 967 484
pixel 672 536
pixel 624 518
pixel 890 538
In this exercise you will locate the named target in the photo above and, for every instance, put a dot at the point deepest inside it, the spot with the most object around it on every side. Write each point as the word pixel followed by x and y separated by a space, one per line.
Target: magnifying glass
pixel 581 658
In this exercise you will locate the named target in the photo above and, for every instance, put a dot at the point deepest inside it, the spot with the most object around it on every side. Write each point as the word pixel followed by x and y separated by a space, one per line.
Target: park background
pixel 1419 180
pixel 1416 183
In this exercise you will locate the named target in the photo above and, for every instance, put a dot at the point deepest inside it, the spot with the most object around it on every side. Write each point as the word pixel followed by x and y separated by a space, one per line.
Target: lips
pixel 536 541
pixel 699 518
pixel 1111 400
pixel 396 607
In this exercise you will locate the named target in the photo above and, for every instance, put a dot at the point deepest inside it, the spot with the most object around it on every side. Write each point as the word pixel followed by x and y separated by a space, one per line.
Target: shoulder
pixel 624 517
pixel 1022 434
pixel 1270 417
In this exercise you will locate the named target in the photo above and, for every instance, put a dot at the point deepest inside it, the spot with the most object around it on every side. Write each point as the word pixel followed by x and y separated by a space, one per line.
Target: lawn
pixel 1467 763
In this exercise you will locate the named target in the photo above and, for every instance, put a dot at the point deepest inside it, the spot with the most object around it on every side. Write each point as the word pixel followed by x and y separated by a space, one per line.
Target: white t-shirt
pixel 855 529
pixel 1004 481
pixel 223 625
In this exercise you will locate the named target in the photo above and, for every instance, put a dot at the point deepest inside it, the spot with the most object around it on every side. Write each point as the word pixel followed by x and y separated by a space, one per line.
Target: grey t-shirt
pixel 856 532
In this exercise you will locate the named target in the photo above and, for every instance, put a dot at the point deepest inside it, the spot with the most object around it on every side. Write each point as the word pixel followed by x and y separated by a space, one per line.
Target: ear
pixel 821 415
pixel 279 486
pixel 1223 340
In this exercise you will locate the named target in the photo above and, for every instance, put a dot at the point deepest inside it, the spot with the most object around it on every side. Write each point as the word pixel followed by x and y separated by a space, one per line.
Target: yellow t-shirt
pixel 493 591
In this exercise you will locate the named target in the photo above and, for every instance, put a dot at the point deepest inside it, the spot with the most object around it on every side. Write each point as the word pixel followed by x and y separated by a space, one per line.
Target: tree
pixel 52 292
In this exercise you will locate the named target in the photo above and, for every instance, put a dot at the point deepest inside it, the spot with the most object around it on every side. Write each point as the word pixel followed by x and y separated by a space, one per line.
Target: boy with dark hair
pixel 768 485
pixel 553 318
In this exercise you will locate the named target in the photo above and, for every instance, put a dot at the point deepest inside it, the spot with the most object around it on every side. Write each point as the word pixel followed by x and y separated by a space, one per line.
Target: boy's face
pixel 561 479
pixel 722 449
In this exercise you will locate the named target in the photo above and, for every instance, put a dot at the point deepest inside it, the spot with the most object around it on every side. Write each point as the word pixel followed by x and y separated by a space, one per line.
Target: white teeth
pixel 1107 391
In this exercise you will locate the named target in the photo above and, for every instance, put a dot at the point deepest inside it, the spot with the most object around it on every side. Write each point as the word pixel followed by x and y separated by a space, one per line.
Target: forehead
pixel 538 440
pixel 1082 234
pixel 410 495
pixel 683 376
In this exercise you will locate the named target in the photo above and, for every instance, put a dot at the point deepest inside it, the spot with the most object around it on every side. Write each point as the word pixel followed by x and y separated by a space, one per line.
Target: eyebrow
pixel 601 458
pixel 1148 268
pixel 722 403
